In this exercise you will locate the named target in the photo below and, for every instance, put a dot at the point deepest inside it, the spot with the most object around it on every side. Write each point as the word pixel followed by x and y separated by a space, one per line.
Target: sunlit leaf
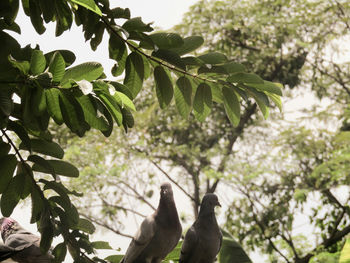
pixel 202 101
pixel 183 96
pixel 164 86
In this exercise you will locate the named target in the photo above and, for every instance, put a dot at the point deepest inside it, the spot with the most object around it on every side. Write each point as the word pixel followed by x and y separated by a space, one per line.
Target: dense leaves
pixel 40 90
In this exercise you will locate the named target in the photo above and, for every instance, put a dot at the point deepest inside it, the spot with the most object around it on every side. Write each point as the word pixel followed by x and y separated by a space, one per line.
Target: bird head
pixel 166 191
pixel 7 225
pixel 209 202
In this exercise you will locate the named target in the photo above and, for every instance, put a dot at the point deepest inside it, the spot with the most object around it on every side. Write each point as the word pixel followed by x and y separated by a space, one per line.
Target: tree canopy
pixel 37 89
pixel 274 170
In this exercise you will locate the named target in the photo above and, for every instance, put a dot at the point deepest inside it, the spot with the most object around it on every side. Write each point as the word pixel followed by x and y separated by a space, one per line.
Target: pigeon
pixel 158 234
pixel 203 240
pixel 19 244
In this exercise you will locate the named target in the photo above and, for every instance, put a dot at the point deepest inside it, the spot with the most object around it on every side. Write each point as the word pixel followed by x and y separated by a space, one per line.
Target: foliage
pixel 37 89
pixel 281 167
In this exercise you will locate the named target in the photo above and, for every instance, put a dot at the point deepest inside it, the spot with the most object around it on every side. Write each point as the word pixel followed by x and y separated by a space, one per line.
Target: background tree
pixel 37 89
pixel 197 157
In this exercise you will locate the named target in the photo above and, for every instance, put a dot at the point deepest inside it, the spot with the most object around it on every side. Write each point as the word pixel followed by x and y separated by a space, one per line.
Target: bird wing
pixel 142 238
pixel 189 244
pixel 22 240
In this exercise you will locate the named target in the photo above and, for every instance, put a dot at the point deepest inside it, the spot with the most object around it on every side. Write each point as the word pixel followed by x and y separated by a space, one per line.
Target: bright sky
pixel 164 14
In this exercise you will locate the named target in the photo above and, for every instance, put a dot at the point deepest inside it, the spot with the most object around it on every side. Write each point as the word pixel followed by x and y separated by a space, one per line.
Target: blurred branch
pixel 172 180
pixel 105 225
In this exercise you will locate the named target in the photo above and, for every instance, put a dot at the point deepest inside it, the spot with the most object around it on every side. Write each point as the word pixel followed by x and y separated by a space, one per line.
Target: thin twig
pixel 172 180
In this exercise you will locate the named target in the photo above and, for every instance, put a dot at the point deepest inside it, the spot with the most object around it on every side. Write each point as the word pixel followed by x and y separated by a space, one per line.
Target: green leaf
pixel 35 17
pixel 25 175
pixel 114 258
pixel 13 27
pixel 175 253
pixel 101 245
pixel 22 66
pixel 189 44
pixel 117 51
pixel 4 148
pixel 164 86
pixel 60 252
pixel 136 24
pixel 57 67
pixel 112 105
pixel 59 188
pixel 166 40
pixel 38 101
pixel 53 104
pixel 89 4
pixel 70 211
pixel 231 251
pixel 63 16
pixel 134 73
pixel 60 167
pixel 72 113
pixel 277 100
pixel 345 252
pixel 128 119
pixel 233 67
pixel 192 61
pixel 268 86
pixel 264 109
pixel 8 165
pixel 90 113
pixel 11 196
pixel 68 56
pixel 88 71
pixel 37 205
pixel 202 101
pixel 117 48
pixel 183 96
pixel 6 104
pixel 47 10
pixel 45 147
pixel 213 58
pixel 37 62
pixel 120 13
pixel 258 95
pixel 85 226
pixel 21 133
pixel 42 162
pixel 212 69
pixel 245 78
pixel 232 106
pixel 170 57
pixel 126 102
pixel 98 35
pixel 46 229
pixel 9 10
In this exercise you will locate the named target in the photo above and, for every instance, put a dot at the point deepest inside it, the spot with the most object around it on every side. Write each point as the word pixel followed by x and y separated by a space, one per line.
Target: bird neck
pixel 167 212
pixel 206 214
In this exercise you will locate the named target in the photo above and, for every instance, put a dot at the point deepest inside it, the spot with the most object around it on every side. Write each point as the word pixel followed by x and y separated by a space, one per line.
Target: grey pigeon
pixel 158 234
pixel 203 240
pixel 19 244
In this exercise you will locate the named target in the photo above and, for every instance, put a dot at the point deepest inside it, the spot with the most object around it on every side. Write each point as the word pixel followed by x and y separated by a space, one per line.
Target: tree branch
pixel 172 180
pixel 138 195
pixel 105 225
pixel 250 110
